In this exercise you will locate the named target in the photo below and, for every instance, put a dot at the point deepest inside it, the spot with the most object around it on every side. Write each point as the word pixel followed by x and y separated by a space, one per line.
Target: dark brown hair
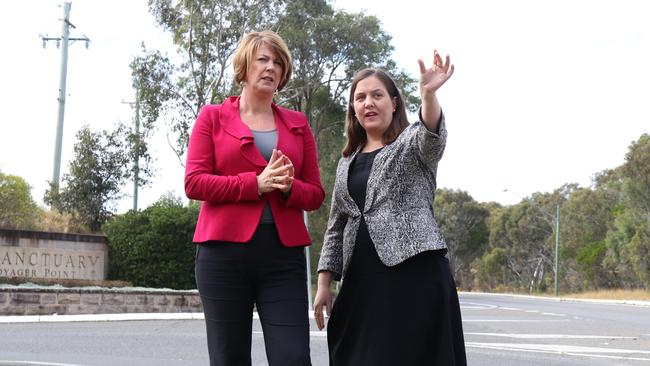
pixel 248 47
pixel 355 134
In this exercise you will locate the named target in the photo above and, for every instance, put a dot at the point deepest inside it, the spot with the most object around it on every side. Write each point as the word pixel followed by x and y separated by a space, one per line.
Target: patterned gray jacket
pixel 399 202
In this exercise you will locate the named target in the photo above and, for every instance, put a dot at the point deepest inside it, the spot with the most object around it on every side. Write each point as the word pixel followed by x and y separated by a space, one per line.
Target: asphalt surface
pixel 500 330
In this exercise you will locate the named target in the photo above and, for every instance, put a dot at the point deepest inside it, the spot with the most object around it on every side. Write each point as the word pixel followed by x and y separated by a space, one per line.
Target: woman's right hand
pixel 323 299
pixel 275 175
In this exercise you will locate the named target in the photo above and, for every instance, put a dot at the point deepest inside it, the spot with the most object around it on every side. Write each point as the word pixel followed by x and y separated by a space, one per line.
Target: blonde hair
pixel 248 47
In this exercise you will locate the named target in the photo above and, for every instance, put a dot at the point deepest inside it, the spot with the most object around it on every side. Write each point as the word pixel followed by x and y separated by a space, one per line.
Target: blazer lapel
pixel 231 122
pixel 373 178
pixel 342 177
pixel 286 127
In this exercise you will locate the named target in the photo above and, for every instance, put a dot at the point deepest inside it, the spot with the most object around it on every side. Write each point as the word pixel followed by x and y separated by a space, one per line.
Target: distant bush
pixel 56 221
pixel 17 208
pixel 153 247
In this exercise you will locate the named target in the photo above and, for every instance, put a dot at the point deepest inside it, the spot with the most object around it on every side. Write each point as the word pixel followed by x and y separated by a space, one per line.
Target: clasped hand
pixel 278 174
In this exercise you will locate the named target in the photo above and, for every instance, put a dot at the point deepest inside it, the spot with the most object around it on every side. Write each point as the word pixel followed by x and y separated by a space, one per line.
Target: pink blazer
pixel 222 167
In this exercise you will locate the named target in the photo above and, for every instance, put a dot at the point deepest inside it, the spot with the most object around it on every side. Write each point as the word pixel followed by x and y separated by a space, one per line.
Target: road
pixel 507 330
pixel 500 330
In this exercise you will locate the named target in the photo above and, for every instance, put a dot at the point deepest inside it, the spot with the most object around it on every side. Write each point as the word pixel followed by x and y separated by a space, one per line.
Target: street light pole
pixel 308 264
pixel 557 249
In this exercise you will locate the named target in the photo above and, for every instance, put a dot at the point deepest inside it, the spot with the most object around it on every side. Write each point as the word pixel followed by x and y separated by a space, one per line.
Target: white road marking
pixel 553 314
pixel 99 317
pixel 532 311
pixel 559 299
pixel 513 320
pixel 16 362
pixel 475 306
pixel 550 336
pixel 516 309
pixel 562 349
pixel 311 333
pixel 559 348
pixel 611 357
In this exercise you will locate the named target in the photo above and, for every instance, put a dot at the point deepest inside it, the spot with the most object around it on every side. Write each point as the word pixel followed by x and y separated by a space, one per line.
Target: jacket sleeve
pixel 331 255
pixel 307 192
pixel 429 145
pixel 200 181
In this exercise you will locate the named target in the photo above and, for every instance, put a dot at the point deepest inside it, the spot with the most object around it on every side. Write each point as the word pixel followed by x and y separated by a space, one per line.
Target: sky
pixel 544 93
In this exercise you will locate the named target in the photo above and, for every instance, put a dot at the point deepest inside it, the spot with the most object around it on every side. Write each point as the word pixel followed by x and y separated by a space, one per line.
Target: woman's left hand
pixel 287 179
pixel 431 79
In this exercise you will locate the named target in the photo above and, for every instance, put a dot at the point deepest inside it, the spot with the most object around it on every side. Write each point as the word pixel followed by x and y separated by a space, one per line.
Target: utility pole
pixel 136 150
pixel 557 248
pixel 62 42
pixel 136 173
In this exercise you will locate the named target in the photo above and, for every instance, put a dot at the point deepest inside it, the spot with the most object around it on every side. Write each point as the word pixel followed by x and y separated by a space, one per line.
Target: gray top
pixel 399 202
pixel 266 141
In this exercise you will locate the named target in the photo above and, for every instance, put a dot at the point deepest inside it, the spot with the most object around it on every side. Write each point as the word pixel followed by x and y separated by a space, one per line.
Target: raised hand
pixel 433 78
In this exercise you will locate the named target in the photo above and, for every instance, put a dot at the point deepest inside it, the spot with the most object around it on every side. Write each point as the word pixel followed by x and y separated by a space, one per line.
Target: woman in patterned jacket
pixel 398 304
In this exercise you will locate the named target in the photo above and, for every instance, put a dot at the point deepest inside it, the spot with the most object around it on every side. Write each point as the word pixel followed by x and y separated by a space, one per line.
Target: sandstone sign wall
pixel 44 255
pixel 70 301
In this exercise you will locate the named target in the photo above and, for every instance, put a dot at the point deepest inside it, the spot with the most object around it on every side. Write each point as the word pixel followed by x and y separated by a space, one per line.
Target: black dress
pixel 403 315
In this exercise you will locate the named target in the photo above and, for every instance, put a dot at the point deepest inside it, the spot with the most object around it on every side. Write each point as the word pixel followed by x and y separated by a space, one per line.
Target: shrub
pixel 56 221
pixel 153 247
pixel 17 208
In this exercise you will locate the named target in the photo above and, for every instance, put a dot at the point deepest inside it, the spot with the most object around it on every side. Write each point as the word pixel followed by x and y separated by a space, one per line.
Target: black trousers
pixel 232 277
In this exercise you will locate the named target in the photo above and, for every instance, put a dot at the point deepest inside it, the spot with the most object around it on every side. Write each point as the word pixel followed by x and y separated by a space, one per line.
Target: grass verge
pixel 641 295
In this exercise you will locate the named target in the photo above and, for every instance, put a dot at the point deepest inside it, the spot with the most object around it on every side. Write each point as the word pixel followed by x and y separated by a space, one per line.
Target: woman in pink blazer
pixel 255 167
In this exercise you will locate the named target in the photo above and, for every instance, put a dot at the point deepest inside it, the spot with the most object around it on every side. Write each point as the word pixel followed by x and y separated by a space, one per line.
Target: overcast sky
pixel 545 92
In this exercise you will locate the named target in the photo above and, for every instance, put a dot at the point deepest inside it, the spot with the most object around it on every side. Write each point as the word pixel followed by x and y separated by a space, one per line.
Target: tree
pixel 328 47
pixel 526 232
pixel 627 250
pixel 17 208
pixel 462 221
pixel 637 171
pixel 206 34
pixel 585 218
pixel 97 173
pixel 628 240
pixel 150 85
pixel 520 234
pixel 492 270
pixel 329 151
